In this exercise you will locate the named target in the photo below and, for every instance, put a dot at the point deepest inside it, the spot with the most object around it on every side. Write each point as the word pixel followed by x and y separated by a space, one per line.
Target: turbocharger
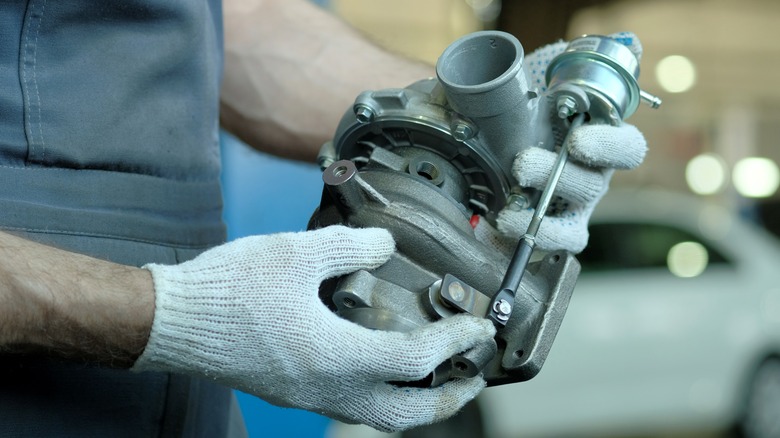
pixel 425 160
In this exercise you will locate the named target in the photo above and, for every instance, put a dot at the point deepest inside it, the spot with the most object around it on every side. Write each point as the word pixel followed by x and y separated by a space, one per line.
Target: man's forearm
pixel 292 69
pixel 70 305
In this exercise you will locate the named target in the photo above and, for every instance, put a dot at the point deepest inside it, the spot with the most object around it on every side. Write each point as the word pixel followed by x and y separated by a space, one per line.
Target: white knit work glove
pixel 247 315
pixel 595 152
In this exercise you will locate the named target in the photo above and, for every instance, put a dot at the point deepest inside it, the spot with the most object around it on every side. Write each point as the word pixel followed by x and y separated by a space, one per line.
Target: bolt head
pixel 462 132
pixel 515 202
pixel 503 307
pixel 364 114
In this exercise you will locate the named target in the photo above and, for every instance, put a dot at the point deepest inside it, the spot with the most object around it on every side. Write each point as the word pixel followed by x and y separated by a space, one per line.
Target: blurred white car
pixel 674 327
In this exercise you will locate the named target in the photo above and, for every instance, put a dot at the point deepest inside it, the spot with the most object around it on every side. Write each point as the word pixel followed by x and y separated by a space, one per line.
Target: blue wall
pixel 265 194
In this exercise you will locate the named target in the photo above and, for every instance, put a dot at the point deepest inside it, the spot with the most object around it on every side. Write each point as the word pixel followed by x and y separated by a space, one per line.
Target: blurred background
pixel 711 177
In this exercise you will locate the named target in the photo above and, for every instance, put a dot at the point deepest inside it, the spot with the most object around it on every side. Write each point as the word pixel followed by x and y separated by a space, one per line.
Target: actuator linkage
pixel 594 79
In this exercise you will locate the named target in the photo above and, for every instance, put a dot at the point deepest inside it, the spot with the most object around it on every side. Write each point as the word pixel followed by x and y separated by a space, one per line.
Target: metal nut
pixel 567 106
pixel 364 114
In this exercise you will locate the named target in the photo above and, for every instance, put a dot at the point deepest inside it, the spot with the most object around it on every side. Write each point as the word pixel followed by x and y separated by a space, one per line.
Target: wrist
pixel 69 305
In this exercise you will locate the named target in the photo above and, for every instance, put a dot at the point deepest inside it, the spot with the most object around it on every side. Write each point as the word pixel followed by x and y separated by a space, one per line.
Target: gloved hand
pixel 247 315
pixel 596 150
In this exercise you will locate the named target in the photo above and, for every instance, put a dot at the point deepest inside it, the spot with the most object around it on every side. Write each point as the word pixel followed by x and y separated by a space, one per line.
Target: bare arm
pixel 69 305
pixel 292 69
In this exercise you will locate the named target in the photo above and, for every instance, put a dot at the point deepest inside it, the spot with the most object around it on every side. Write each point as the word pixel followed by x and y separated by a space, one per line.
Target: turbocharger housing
pixel 425 162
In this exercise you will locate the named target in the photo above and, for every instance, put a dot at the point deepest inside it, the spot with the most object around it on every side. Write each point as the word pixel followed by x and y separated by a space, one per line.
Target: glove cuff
pixel 181 335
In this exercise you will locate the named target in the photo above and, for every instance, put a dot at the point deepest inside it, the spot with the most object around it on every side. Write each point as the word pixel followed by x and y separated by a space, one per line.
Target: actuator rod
pixel 501 305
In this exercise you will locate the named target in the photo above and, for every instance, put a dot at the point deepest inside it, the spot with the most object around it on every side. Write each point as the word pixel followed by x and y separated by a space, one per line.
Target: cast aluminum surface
pixel 421 162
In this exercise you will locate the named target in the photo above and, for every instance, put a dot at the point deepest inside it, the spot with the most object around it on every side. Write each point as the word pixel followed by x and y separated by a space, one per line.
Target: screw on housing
pixel 364 114
pixel 462 132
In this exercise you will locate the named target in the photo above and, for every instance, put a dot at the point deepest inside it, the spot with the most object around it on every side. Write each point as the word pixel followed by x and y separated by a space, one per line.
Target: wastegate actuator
pixel 422 161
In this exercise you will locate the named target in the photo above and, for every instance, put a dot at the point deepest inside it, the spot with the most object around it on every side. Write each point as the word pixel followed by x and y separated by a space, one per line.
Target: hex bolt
pixel 364 114
pixel 516 202
pixel 567 106
pixel 462 132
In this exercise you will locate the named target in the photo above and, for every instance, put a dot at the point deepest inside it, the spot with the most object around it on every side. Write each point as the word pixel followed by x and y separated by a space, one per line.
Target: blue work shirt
pixel 109 147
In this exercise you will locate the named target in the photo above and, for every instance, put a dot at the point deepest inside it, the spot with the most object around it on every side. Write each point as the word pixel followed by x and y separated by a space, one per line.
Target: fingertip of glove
pixel 376 239
pixel 383 234
pixel 634 146
pixel 379 237
pixel 617 147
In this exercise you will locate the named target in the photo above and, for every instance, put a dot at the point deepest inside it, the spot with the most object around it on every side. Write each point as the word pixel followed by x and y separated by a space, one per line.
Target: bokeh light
pixel 675 74
pixel 687 259
pixel 756 177
pixel 706 174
